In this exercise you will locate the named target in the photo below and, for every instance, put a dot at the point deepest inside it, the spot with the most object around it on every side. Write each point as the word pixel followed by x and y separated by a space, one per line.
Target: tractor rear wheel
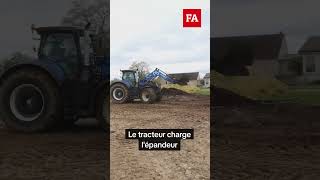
pixel 30 101
pixel 148 95
pixel 119 93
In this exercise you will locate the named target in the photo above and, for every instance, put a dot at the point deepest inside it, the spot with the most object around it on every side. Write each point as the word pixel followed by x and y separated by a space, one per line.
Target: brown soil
pixel 266 142
pixel 180 111
pixel 228 98
pixel 76 153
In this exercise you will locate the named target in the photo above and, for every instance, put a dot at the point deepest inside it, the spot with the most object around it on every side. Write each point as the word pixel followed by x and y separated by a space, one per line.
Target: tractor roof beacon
pixel 67 81
pixel 131 87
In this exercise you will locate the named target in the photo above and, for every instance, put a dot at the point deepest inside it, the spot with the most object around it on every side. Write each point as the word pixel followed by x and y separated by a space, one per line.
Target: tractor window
pixel 129 76
pixel 60 45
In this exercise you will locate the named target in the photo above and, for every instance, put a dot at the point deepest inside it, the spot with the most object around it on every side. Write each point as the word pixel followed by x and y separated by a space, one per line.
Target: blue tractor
pixel 67 80
pixel 131 87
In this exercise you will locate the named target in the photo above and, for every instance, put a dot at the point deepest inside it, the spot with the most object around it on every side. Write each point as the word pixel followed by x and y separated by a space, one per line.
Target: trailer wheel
pixel 119 93
pixel 148 95
pixel 29 101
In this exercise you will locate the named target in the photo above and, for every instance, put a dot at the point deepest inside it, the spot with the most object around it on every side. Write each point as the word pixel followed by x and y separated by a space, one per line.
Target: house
pixel 249 55
pixel 206 80
pixel 290 65
pixel 191 78
pixel 310 52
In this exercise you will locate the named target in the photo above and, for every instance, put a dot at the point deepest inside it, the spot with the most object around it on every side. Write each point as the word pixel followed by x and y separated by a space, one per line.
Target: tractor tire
pixel 119 93
pixel 148 95
pixel 103 110
pixel 30 101
pixel 159 97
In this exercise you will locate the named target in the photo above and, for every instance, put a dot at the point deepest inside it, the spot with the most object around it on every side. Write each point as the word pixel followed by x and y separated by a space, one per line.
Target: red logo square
pixel 191 17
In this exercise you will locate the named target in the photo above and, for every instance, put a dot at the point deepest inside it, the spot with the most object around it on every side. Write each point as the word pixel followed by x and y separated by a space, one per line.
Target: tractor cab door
pixel 63 48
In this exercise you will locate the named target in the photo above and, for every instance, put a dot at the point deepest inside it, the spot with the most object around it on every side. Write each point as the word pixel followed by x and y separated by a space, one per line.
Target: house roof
pixel 207 75
pixel 185 76
pixel 259 46
pixel 311 45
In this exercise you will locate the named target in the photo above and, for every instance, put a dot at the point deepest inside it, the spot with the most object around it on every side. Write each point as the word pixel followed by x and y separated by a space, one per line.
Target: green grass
pixel 260 88
pixel 190 89
pixel 306 96
pixel 257 88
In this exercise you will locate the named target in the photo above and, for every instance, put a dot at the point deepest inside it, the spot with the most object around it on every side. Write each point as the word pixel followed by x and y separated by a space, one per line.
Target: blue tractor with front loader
pixel 67 80
pixel 131 87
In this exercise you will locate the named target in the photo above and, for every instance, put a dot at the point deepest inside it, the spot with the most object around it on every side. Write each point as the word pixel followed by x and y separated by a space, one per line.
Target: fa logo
pixel 191 17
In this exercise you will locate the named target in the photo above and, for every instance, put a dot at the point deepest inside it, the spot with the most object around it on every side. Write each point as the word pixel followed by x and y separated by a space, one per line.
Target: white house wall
pixel 311 76
pixel 284 49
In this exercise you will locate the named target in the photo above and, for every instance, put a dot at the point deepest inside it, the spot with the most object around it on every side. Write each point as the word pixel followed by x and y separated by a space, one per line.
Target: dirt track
pixel 76 153
pixel 266 143
pixel 192 162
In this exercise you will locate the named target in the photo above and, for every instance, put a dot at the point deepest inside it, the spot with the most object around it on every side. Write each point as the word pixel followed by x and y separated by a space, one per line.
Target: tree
pixel 142 68
pixel 96 13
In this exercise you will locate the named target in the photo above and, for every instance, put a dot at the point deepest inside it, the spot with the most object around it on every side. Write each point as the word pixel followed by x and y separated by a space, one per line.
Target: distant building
pixel 310 52
pixel 249 55
pixel 206 80
pixel 191 79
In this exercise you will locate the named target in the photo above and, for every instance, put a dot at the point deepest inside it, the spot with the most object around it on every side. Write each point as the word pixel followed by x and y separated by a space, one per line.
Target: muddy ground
pixel 266 142
pixel 181 111
pixel 75 153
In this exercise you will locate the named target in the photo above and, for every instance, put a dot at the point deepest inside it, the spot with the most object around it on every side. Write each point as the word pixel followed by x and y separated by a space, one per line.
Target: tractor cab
pixel 78 51
pixel 71 47
pixel 64 46
pixel 130 76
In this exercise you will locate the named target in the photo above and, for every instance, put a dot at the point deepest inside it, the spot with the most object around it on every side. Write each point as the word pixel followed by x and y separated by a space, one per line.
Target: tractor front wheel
pixel 119 93
pixel 159 97
pixel 148 95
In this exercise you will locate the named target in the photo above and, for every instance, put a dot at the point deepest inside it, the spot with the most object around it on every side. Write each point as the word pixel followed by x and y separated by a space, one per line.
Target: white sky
pixel 151 31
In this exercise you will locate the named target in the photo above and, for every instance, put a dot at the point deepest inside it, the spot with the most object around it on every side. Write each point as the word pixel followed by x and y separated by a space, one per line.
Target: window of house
pixel 310 64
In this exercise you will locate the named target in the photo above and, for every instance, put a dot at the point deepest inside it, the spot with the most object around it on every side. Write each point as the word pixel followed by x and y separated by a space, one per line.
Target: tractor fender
pixel 53 69
pixel 126 83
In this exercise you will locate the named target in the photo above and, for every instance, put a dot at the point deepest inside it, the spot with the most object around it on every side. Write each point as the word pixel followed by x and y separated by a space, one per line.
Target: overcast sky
pixel 151 31
pixel 16 17
pixel 298 19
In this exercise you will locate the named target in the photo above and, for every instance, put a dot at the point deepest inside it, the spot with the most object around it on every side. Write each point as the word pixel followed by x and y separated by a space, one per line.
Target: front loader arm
pixel 154 74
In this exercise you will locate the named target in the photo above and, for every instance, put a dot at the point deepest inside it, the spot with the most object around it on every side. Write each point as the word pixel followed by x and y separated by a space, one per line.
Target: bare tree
pixel 142 68
pixel 96 13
